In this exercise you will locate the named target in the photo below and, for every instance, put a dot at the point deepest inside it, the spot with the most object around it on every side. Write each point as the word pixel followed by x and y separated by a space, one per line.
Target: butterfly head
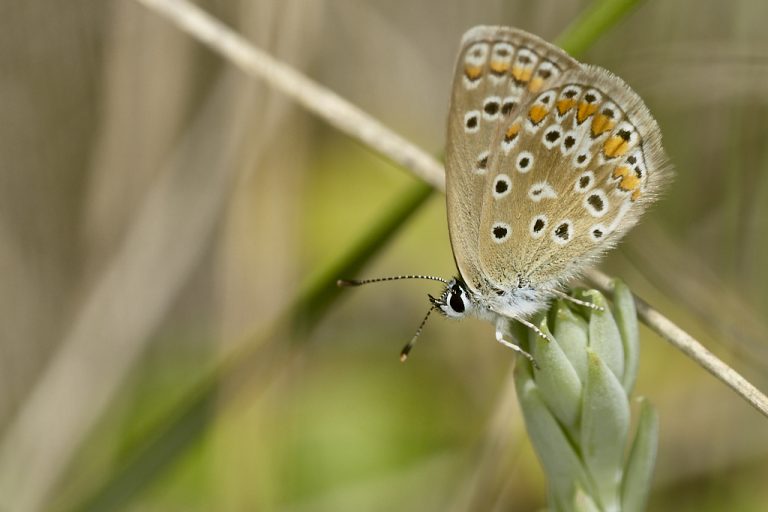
pixel 456 300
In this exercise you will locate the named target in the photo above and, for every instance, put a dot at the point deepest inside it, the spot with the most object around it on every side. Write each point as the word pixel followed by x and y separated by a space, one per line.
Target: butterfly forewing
pixel 548 161
pixel 498 73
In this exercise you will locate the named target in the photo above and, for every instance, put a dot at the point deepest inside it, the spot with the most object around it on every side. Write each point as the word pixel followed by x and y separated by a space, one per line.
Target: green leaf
pixel 558 383
pixel 321 292
pixel 571 333
pixel 642 457
pixel 560 461
pixel 604 428
pixel 604 335
pixel 582 502
pixel 626 320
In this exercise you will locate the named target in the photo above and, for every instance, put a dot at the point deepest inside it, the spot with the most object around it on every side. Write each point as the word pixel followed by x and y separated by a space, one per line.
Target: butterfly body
pixel 518 302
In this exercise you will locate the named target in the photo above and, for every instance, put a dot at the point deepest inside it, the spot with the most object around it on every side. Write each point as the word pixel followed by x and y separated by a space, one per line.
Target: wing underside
pixel 548 162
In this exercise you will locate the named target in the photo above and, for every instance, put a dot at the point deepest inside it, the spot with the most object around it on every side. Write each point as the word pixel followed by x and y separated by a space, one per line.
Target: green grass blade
pixel 185 424
pixel 321 291
pixel 157 455
pixel 596 19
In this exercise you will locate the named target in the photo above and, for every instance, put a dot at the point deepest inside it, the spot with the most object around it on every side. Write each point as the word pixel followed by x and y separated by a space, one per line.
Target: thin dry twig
pixel 317 99
pixel 359 125
pixel 688 345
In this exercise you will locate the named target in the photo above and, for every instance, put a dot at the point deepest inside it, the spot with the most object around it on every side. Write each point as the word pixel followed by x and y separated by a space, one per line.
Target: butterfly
pixel 549 162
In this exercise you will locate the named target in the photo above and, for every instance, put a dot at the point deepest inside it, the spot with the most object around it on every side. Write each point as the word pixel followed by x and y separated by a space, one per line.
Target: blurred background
pixel 159 211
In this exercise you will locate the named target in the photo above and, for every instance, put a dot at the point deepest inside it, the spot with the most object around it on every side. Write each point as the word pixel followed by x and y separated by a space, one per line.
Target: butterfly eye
pixel 456 302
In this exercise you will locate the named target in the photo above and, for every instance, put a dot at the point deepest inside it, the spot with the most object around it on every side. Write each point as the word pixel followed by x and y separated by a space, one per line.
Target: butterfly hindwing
pixel 595 164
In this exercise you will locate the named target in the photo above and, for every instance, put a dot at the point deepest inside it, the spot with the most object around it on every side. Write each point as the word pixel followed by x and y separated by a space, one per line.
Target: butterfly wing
pixel 549 162
pixel 499 72
pixel 595 163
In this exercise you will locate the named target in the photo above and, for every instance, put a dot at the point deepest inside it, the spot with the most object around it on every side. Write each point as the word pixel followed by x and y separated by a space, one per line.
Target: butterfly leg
pixel 580 302
pixel 500 333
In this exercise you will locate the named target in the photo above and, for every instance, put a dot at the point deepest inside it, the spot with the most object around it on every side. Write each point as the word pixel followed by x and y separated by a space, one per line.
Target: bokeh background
pixel 159 211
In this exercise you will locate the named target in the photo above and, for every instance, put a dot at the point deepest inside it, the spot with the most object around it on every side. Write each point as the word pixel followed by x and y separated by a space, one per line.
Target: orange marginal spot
pixel 601 124
pixel 585 110
pixel 629 182
pixel 565 105
pixel 635 195
pixel 620 172
pixel 499 67
pixel 615 146
pixel 473 72
pixel 537 113
pixel 536 84
pixel 512 132
pixel 521 74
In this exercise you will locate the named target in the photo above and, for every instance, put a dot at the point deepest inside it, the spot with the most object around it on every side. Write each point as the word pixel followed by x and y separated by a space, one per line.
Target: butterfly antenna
pixel 355 282
pixel 408 346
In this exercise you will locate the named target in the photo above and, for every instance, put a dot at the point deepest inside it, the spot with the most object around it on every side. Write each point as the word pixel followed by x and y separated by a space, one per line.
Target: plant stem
pixel 596 19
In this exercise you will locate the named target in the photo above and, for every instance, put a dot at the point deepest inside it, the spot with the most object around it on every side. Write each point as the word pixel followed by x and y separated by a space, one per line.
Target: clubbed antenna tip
pixel 407 348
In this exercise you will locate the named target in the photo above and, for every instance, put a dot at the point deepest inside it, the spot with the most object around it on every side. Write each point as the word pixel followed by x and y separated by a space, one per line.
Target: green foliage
pixel 577 406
